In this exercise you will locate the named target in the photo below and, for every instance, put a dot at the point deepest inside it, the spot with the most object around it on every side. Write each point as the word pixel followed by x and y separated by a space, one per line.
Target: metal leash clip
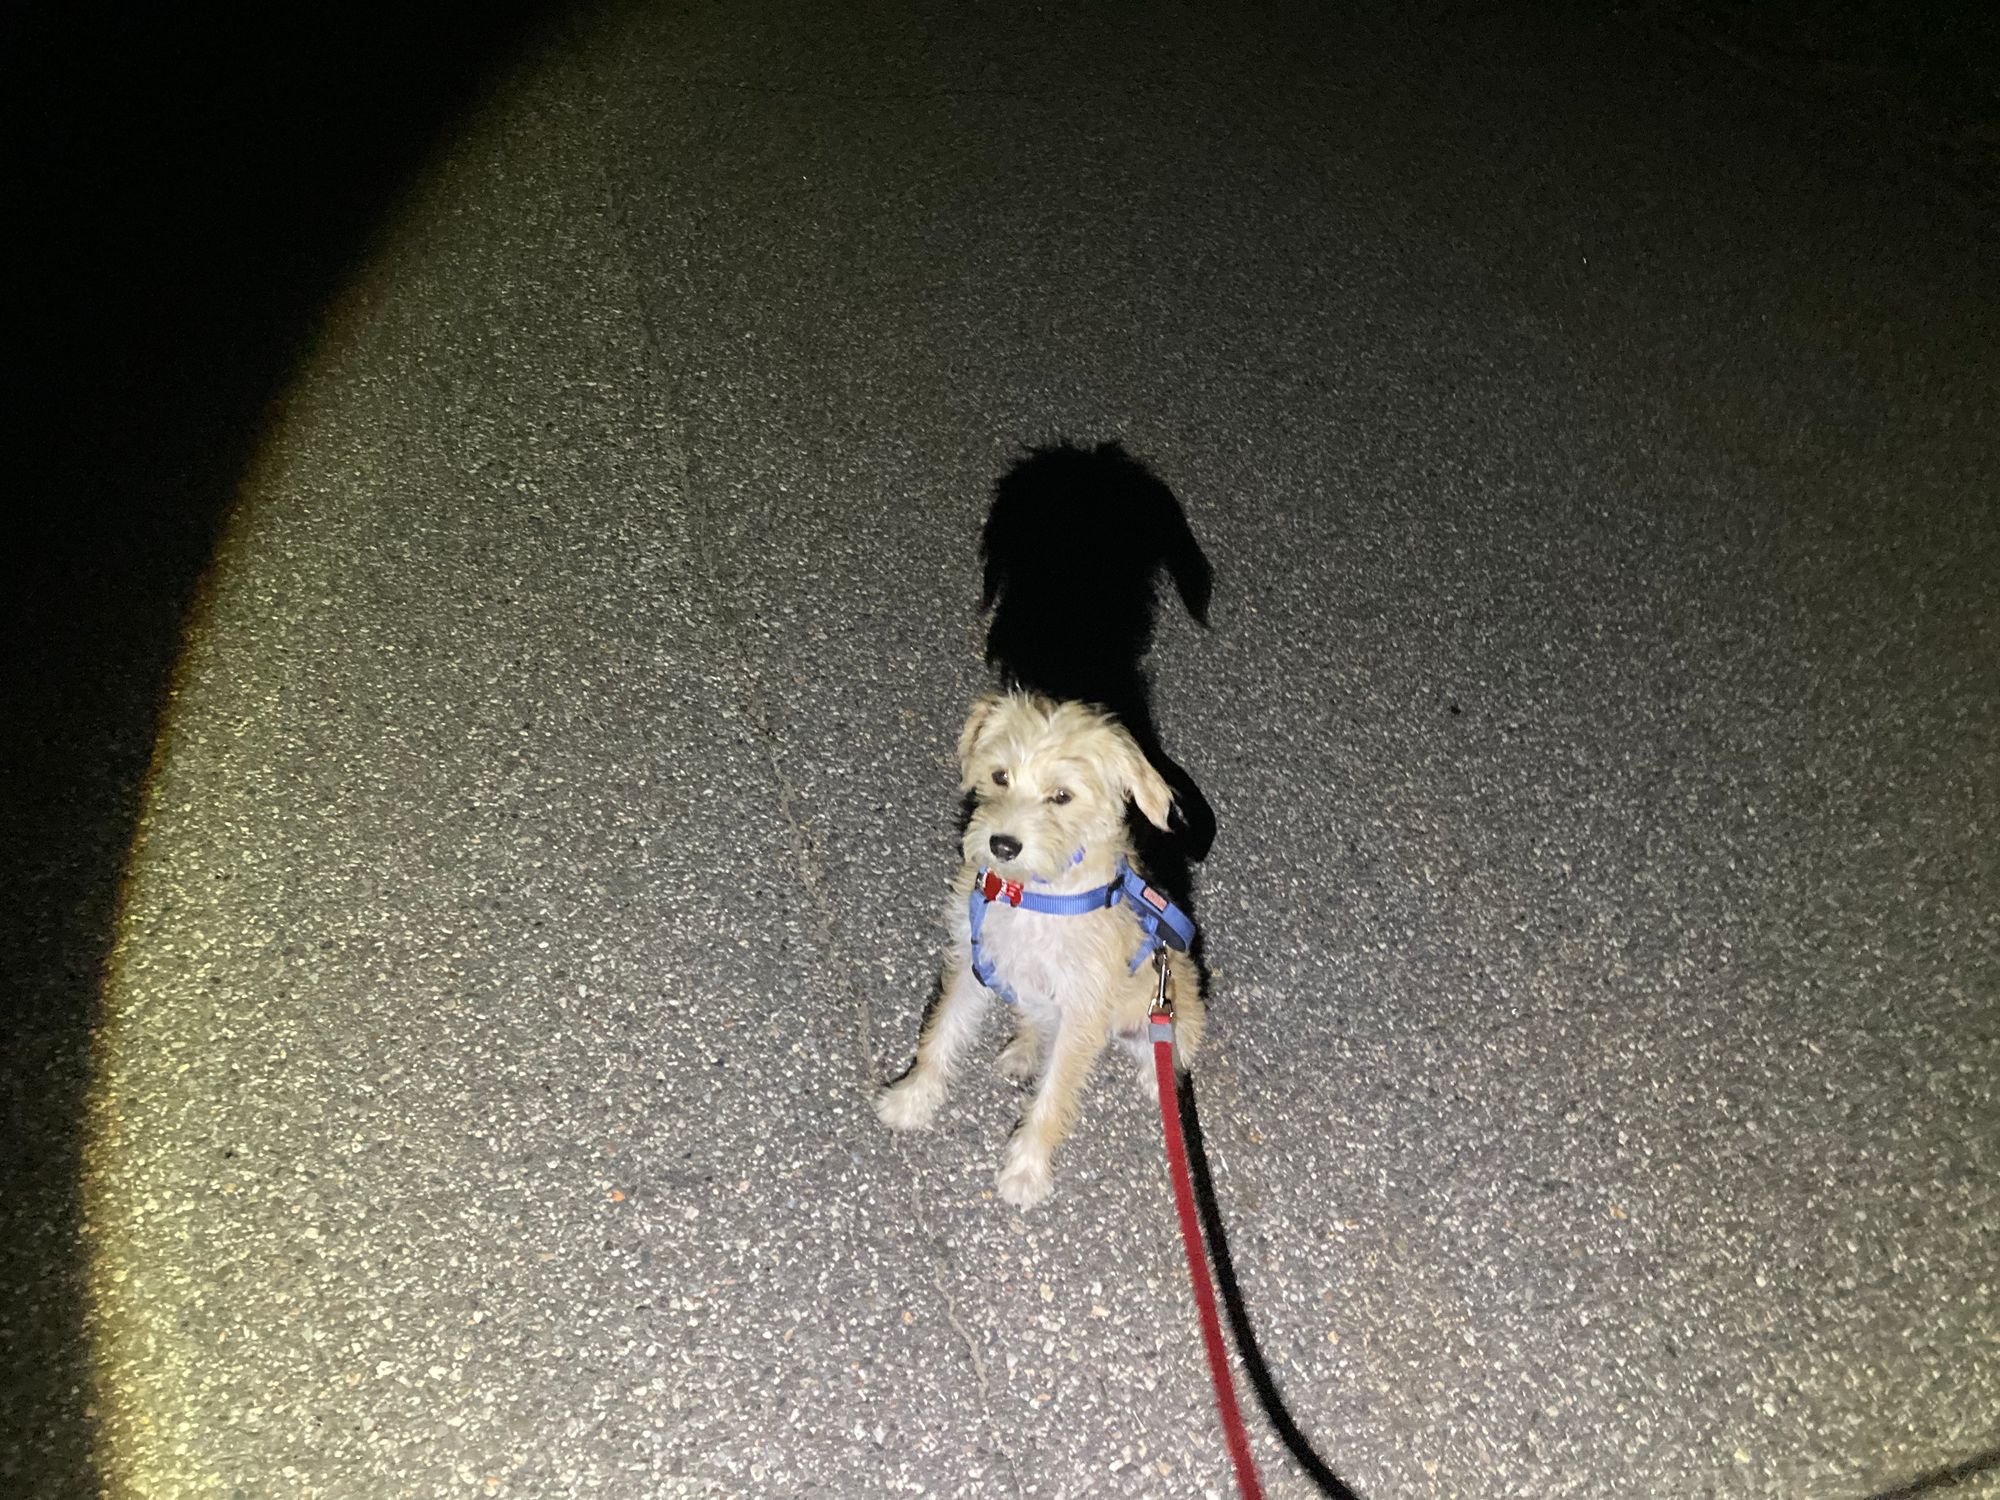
pixel 1162 1029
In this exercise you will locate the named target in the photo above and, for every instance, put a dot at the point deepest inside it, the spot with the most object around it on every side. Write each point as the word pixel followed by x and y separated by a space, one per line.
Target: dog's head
pixel 1048 779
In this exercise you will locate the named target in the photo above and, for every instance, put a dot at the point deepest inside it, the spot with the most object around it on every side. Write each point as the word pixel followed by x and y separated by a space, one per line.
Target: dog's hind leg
pixel 1139 1044
pixel 1021 1059
pixel 912 1101
pixel 1027 1175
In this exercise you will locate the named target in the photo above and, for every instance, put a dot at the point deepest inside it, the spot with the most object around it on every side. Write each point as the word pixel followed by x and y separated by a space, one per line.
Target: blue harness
pixel 1161 923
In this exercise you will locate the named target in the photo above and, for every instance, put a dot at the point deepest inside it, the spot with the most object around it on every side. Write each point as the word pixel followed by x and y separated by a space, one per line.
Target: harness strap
pixel 1159 918
pixel 1160 921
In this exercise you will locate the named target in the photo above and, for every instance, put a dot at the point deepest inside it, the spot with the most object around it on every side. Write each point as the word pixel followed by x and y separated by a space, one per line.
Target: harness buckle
pixel 993 888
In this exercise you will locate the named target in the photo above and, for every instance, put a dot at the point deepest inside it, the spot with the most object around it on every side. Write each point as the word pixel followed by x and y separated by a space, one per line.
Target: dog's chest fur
pixel 1055 964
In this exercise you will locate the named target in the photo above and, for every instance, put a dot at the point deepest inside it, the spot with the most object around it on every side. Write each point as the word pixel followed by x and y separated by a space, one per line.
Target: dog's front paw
pixel 1025 1180
pixel 909 1105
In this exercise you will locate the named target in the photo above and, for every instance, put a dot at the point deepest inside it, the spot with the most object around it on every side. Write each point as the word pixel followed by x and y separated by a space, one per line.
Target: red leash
pixel 1233 1432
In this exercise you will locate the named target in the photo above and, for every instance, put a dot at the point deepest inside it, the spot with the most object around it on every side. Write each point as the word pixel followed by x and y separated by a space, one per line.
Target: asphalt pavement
pixel 1594 439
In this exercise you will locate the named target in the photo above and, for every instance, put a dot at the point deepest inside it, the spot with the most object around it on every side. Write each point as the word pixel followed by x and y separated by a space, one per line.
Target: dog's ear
pixel 1148 789
pixel 968 737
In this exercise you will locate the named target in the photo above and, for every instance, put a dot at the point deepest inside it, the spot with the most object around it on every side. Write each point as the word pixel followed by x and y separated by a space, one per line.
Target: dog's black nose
pixel 1003 846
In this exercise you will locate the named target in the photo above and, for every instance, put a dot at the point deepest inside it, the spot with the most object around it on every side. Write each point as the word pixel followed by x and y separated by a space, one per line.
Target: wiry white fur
pixel 1055 777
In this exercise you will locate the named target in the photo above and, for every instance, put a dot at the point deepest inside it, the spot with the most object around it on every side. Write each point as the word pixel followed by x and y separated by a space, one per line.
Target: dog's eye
pixel 1059 796
pixel 1000 777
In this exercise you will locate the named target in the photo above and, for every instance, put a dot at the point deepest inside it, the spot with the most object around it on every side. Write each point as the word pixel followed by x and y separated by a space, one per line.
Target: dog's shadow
pixel 1072 550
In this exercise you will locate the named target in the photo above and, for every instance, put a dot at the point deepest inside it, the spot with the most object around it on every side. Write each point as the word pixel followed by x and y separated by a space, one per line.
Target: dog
pixel 1050 783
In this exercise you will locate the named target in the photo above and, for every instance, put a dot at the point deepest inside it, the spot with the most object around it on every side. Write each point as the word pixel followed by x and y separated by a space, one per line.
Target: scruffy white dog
pixel 1050 782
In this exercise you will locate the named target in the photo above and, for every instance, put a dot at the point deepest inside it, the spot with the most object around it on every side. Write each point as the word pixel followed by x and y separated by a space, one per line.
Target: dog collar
pixel 1161 922
pixel 989 887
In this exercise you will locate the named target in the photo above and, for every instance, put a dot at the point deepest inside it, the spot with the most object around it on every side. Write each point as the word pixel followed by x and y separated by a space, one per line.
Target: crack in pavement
pixel 940 1261
pixel 809 863
pixel 730 620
